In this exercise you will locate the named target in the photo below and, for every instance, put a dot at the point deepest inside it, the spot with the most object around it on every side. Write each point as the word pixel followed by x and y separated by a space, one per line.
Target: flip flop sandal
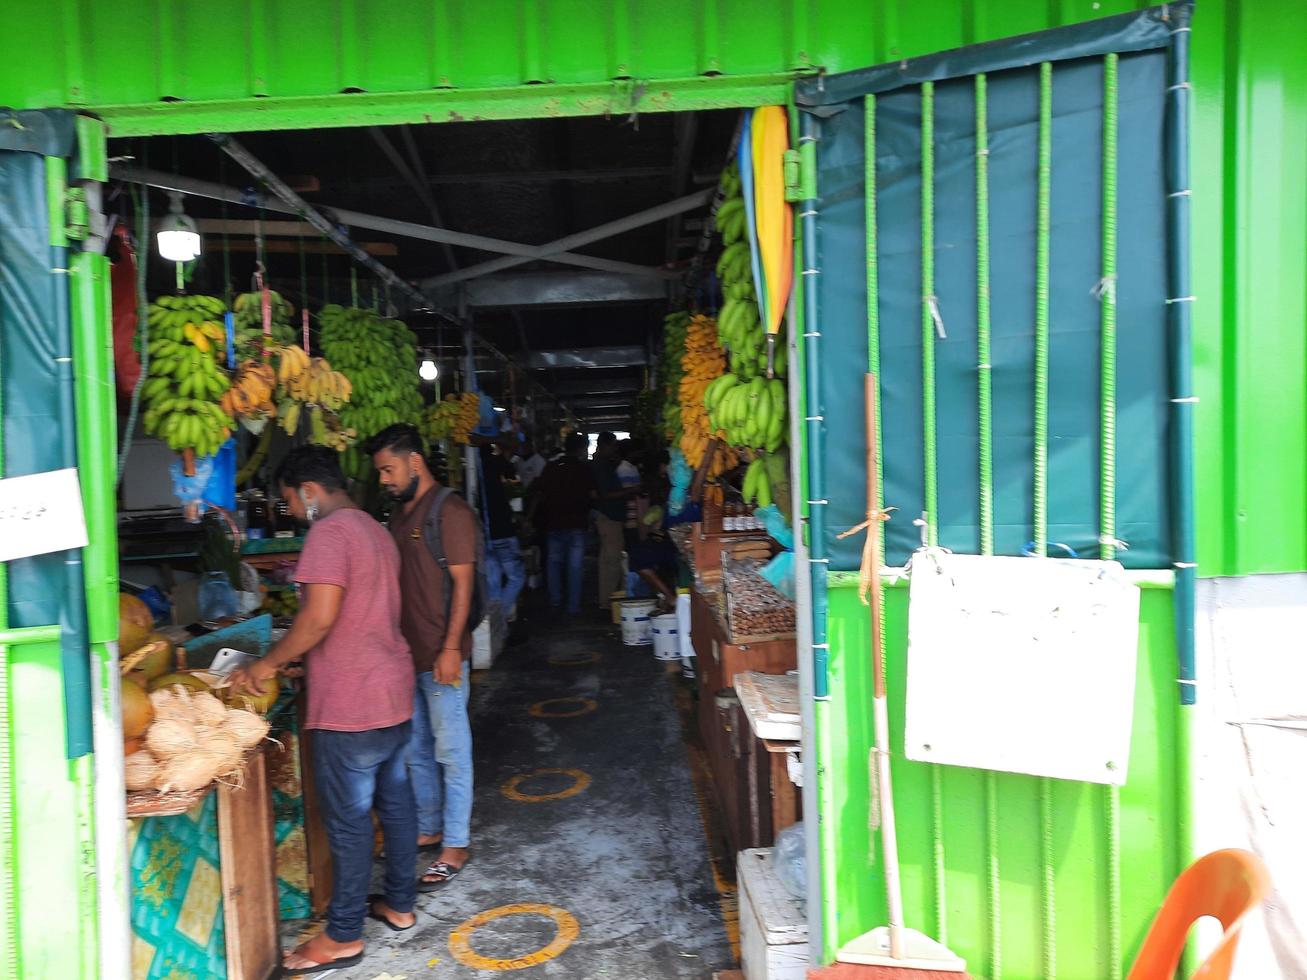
pixel 373 914
pixel 317 966
pixel 444 873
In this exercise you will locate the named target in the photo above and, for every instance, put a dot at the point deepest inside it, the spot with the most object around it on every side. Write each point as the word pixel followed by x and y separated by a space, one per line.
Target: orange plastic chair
pixel 1225 884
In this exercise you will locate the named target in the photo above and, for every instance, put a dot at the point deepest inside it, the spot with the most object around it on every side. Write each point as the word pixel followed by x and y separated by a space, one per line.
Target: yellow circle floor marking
pixel 565 660
pixel 460 944
pixel 542 709
pixel 581 782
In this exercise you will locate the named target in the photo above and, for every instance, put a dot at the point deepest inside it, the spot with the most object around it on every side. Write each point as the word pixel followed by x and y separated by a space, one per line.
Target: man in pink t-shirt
pixel 360 682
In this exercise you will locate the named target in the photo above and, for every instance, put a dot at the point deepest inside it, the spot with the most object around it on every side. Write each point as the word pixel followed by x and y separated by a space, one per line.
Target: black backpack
pixel 431 531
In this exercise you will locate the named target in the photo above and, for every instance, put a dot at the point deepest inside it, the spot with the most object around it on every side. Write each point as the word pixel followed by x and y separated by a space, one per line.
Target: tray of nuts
pixel 755 610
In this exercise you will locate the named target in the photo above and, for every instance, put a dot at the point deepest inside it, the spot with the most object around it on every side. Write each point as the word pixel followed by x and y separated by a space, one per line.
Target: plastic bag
pixel 681 476
pixel 217 599
pixel 774 521
pixel 789 861
pixel 780 573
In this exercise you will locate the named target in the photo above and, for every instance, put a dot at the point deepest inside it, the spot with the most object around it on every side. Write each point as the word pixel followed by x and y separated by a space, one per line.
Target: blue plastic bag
pixel 774 521
pixel 217 599
pixel 780 573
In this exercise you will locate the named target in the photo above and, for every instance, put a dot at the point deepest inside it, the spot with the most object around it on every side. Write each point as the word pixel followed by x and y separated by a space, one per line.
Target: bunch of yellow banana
pixel 188 319
pixel 292 363
pixel 701 365
pixel 312 380
pixel 453 418
pixel 250 395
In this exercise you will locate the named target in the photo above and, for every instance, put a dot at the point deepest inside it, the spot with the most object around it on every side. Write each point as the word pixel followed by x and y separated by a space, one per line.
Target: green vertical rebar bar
pixel 984 411
pixel 1107 508
pixel 1042 235
pixel 927 302
pixel 984 389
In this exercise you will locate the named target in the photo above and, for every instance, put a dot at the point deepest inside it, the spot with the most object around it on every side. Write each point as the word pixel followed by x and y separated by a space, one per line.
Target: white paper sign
pixel 1022 665
pixel 41 513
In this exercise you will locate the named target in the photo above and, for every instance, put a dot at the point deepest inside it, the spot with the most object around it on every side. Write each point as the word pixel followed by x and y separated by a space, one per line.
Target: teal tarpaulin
pixel 1074 359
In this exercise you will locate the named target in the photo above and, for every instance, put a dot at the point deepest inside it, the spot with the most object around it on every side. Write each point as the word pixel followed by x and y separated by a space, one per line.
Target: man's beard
pixel 407 494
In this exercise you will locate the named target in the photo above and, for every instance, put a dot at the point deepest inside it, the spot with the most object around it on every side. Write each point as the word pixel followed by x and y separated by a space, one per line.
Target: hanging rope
pixel 141 203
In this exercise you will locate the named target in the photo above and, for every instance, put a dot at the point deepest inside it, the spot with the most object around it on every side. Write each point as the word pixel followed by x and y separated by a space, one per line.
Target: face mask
pixel 310 508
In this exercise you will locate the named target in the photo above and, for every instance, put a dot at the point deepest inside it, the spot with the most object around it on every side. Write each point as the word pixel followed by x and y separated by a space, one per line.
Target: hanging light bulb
pixel 179 239
pixel 428 371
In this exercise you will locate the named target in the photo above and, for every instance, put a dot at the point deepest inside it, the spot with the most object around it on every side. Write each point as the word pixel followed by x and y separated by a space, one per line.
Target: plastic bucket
pixel 635 622
pixel 615 601
pixel 666 636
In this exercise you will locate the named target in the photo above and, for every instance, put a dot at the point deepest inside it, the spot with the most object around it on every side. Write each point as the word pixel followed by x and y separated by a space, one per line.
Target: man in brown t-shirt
pixel 434 621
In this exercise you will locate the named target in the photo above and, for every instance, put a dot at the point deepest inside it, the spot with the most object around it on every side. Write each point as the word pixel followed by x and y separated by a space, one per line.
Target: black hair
pixel 311 464
pixel 400 438
pixel 606 437
pixel 574 442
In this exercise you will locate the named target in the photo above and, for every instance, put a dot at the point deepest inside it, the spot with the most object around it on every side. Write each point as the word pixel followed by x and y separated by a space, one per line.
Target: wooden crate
pixel 773 927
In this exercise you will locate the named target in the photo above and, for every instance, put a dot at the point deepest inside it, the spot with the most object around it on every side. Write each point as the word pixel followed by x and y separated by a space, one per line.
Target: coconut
pixel 222 745
pixel 138 711
pixel 140 770
pixel 193 770
pixel 247 727
pixel 159 661
pixel 260 703
pixel 171 737
pixel 135 622
pixel 208 710
pixel 185 680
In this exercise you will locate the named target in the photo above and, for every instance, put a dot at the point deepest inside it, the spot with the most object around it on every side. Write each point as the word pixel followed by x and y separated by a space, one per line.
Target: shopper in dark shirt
pixel 610 517
pixel 505 573
pixel 561 508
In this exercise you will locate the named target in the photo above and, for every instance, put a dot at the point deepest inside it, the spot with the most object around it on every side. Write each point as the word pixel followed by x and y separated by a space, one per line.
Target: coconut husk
pixel 246 727
pixel 207 710
pixel 140 770
pixel 171 737
pixel 191 771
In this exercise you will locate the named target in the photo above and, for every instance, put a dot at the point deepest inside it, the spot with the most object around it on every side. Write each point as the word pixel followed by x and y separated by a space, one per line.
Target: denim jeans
pixel 566 547
pixel 357 772
pixel 440 760
pixel 505 573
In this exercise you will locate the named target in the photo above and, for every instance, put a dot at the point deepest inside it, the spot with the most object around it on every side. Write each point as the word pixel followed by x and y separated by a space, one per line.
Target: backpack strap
pixel 431 529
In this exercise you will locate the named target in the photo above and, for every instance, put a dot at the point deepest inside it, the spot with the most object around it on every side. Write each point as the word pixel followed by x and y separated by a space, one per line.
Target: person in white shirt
pixel 529 463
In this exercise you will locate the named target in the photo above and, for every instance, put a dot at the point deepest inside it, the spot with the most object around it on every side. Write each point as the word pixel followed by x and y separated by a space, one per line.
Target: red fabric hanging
pixel 122 285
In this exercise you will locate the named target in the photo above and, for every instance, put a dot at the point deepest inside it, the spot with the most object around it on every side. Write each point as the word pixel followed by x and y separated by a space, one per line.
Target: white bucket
pixel 635 622
pixel 666 636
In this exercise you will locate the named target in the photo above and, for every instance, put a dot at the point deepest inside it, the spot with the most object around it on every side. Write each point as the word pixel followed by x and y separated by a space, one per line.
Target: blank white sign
pixel 1022 665
pixel 40 514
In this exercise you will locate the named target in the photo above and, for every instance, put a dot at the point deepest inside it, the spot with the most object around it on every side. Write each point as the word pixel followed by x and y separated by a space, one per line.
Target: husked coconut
pixel 247 727
pixel 193 770
pixel 208 710
pixel 171 737
pixel 141 770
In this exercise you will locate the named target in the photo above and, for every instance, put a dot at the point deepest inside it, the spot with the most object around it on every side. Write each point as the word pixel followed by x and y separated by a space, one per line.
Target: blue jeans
pixel 566 546
pixel 505 573
pixel 440 760
pixel 357 772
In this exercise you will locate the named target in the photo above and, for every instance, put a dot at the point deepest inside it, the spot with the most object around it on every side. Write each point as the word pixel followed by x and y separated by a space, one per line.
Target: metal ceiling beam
pixel 580 404
pixel 356 219
pixel 608 386
pixel 301 207
pixel 561 288
pixel 686 130
pixel 562 245
pixel 415 181
pixel 588 357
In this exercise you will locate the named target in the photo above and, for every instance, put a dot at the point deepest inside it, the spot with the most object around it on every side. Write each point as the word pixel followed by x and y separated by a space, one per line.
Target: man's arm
pixel 449 663
pixel 320 609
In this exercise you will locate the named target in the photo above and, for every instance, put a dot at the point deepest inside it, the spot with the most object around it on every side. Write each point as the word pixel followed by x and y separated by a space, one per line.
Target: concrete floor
pixel 627 857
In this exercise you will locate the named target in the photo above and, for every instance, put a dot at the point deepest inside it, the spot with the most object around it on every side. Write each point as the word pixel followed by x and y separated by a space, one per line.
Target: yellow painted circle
pixel 542 709
pixel 582 661
pixel 460 944
pixel 581 782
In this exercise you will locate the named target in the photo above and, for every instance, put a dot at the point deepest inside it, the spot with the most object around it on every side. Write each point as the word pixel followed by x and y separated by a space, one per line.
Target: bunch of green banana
pixel 182 406
pixel 751 412
pixel 766 480
pixel 379 357
pixel 249 323
pixel 191 319
pixel 671 370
